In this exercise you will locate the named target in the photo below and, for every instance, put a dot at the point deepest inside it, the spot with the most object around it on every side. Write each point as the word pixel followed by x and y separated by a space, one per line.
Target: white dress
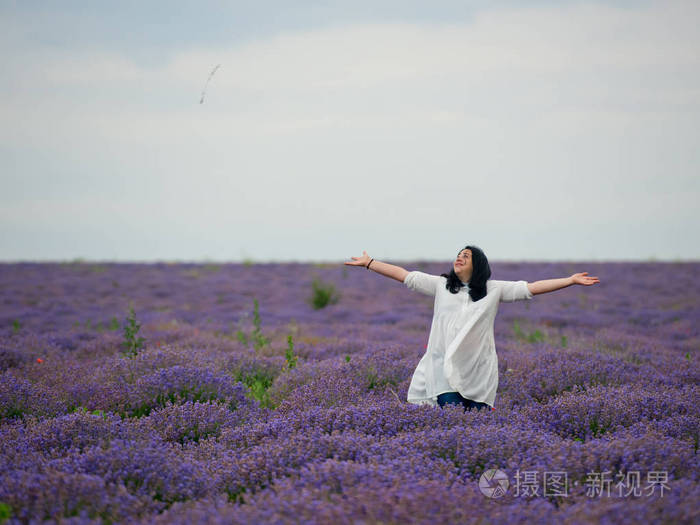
pixel 461 354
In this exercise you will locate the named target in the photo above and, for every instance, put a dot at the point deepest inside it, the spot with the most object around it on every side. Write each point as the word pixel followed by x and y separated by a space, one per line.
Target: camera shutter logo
pixel 493 483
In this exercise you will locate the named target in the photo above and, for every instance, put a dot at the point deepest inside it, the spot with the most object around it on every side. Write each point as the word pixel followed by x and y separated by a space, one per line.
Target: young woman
pixel 460 365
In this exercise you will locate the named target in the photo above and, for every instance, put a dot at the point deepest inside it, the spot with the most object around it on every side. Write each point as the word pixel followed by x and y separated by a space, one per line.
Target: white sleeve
pixel 512 291
pixel 422 282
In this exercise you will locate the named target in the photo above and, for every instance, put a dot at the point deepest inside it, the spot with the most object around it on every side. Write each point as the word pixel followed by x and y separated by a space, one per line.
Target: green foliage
pixel 114 324
pixel 256 316
pixel 258 382
pixel 598 428
pixel 5 512
pixel 323 294
pixel 259 340
pixel 289 353
pixel 259 390
pixel 194 433
pixel 132 344
pixel 16 326
pixel 687 356
pixel 347 358
pixel 242 337
pixel 374 380
pixel 563 341
pixel 86 411
pixel 202 395
pixel 12 412
pixel 533 337
pixel 255 336
pixel 517 330
pixel 236 495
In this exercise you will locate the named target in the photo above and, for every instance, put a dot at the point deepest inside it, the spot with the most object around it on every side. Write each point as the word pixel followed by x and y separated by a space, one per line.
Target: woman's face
pixel 463 265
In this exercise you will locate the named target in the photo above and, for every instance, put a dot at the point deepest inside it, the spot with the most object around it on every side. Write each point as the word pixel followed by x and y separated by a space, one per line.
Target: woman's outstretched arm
pixel 382 268
pixel 550 285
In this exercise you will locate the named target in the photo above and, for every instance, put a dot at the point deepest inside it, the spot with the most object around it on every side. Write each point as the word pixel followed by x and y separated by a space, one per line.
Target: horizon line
pixel 251 261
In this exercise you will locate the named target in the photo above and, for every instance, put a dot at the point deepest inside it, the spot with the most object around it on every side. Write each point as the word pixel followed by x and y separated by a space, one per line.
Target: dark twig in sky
pixel 201 100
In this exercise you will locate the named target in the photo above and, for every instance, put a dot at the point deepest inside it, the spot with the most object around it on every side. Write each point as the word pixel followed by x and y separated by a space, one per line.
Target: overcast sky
pixel 544 130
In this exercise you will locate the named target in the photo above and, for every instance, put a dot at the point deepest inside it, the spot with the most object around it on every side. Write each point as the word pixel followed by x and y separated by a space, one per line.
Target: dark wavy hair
pixel 481 272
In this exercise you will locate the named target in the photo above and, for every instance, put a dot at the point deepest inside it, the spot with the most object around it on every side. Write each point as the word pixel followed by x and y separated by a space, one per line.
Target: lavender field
pixel 230 398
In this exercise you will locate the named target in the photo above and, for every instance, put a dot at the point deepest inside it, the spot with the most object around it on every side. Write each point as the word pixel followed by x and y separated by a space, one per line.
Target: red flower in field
pixel 158 343
pixel 39 360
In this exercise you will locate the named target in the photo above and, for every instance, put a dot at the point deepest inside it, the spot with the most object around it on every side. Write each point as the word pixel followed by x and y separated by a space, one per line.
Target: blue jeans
pixel 454 398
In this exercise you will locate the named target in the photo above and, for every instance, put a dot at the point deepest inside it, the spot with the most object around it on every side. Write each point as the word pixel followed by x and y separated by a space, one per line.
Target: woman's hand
pixel 360 261
pixel 582 278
